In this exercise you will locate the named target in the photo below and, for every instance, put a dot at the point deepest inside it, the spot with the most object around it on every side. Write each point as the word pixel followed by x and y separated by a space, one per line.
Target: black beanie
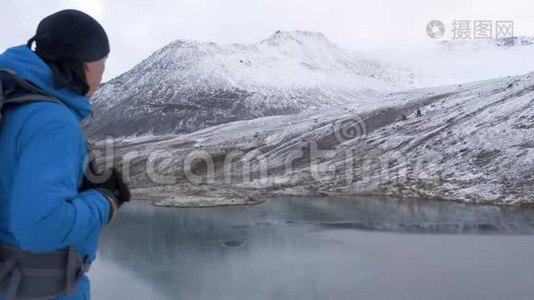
pixel 67 39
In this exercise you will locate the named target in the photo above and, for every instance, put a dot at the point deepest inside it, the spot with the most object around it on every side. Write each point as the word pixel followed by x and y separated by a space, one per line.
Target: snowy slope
pixel 473 142
pixel 191 85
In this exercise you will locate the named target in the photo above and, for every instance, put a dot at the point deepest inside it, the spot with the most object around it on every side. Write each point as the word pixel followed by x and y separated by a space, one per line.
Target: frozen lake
pixel 318 248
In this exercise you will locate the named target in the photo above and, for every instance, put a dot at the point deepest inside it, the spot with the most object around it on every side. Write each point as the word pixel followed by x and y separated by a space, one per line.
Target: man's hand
pixel 111 184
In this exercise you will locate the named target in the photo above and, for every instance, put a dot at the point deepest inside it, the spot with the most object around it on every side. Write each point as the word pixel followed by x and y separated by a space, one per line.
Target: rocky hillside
pixel 471 142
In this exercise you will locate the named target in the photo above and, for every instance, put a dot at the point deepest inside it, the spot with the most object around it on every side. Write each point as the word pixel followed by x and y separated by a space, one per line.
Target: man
pixel 50 213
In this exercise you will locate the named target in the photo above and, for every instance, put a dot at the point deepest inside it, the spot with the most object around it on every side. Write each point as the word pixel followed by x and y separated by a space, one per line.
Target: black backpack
pixel 22 92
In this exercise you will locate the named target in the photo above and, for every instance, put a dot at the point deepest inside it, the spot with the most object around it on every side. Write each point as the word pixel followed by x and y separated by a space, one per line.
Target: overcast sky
pixel 137 28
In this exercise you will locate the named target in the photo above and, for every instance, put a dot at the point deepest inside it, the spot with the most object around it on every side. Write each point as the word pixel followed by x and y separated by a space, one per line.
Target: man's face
pixel 93 73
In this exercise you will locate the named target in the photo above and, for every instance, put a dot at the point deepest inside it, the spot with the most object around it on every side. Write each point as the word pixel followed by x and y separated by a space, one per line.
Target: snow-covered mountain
pixel 472 142
pixel 190 85
pixel 294 114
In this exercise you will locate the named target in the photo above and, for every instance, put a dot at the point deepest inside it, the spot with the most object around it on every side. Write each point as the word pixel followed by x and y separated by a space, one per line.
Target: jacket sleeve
pixel 46 210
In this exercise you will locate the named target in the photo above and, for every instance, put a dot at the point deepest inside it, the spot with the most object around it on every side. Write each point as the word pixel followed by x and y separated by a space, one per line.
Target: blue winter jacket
pixel 42 162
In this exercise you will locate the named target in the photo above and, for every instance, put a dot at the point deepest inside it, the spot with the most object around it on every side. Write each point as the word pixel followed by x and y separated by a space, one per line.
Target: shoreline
pixel 225 197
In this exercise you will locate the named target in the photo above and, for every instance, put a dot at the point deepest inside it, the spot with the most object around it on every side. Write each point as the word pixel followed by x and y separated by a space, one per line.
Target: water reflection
pixel 309 249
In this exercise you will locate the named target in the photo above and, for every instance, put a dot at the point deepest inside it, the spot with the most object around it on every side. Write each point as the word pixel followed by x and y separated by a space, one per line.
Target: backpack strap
pixel 26 275
pixel 34 93
pixel 28 98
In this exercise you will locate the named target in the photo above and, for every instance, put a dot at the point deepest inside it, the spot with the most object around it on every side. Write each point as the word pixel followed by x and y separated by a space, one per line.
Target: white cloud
pixel 95 8
pixel 139 27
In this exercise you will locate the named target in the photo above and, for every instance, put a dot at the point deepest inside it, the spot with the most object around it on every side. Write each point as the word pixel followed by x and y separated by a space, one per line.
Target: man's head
pixel 93 74
pixel 75 46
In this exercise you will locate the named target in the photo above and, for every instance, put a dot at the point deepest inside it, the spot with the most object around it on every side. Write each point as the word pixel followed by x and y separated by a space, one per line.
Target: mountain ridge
pixel 189 85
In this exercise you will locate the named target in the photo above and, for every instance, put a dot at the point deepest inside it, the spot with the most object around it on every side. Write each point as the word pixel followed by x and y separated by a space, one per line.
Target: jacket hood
pixel 27 65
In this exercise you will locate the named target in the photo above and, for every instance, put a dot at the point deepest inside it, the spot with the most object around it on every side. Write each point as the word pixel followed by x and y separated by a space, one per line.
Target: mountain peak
pixel 298 36
pixel 190 85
